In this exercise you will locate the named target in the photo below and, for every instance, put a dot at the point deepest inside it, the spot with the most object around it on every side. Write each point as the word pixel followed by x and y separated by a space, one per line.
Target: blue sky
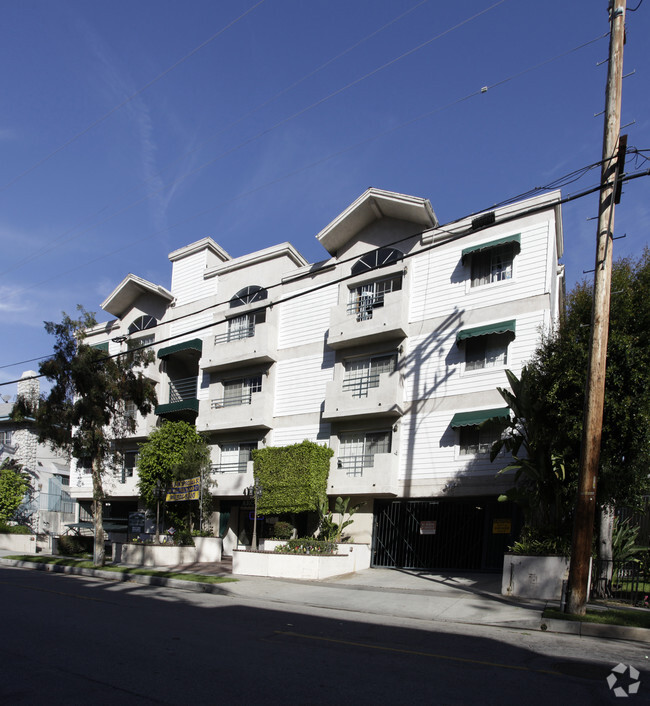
pixel 259 122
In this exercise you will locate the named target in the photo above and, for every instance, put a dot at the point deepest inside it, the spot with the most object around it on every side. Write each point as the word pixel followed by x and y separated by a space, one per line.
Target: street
pixel 70 640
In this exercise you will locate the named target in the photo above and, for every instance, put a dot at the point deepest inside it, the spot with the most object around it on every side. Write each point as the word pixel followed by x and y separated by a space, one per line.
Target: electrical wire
pixel 517 214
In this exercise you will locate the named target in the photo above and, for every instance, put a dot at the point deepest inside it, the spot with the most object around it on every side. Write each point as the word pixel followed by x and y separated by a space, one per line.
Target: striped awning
pixel 501 327
pixel 196 344
pixel 473 419
pixel 514 239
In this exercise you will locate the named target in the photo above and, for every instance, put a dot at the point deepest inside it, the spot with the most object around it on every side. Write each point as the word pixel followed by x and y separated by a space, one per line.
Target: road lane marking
pixel 381 648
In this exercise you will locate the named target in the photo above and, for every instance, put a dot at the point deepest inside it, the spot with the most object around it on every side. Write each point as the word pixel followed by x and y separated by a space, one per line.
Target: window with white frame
pixel 492 265
pixel 478 439
pixel 85 465
pixel 361 374
pixel 5 438
pixel 357 450
pixel 381 257
pixel 139 341
pixel 367 297
pixel 129 465
pixel 240 327
pixel 235 456
pixel 238 392
pixel 489 351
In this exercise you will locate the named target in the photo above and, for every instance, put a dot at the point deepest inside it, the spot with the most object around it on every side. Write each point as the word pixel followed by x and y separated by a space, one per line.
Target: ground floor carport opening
pixel 469 534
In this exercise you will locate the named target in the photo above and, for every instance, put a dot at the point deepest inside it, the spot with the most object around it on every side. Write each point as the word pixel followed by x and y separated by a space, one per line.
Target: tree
pixel 13 487
pixel 84 412
pixel 174 451
pixel 556 378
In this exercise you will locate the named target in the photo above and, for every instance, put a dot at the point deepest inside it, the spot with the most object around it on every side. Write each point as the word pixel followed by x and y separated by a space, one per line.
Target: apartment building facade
pixel 390 351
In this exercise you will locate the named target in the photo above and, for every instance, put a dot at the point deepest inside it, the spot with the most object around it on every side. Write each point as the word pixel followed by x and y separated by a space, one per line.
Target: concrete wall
pixel 19 543
pixel 207 549
pixel 538 577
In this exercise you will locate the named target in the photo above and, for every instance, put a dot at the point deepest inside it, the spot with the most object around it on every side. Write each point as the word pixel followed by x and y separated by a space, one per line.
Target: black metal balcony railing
pixel 236 334
pixel 246 398
pixel 359 386
pixel 354 465
pixel 626 581
pixel 184 389
pixel 363 305
pixel 234 467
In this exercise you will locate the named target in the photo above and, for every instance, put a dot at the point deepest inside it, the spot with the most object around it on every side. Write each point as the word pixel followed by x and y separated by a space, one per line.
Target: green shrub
pixel 541 542
pixel 202 533
pixel 14 529
pixel 307 546
pixel 69 545
pixel 282 530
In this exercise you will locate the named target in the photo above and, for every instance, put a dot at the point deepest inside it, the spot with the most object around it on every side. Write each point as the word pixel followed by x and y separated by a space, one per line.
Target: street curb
pixel 118 577
pixel 575 627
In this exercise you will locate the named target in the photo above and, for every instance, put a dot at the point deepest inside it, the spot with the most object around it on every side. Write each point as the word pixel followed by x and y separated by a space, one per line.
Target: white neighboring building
pixel 49 506
pixel 389 351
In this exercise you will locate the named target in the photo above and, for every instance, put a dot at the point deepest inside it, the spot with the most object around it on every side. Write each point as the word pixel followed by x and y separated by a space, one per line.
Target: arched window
pixel 248 295
pixel 142 323
pixel 381 257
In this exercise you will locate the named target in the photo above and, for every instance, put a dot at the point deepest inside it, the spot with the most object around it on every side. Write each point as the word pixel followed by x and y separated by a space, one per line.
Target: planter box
pixel 207 549
pixel 19 543
pixel 538 577
pixel 351 558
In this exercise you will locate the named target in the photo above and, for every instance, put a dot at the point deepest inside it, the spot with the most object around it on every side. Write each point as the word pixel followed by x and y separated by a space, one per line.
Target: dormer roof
pixel 122 298
pixel 373 205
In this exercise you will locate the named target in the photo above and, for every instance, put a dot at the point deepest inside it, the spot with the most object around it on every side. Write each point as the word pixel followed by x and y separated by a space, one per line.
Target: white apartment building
pixel 390 351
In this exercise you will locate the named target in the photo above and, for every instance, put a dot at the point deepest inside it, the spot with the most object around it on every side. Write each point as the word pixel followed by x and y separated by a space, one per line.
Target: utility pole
pixel 583 528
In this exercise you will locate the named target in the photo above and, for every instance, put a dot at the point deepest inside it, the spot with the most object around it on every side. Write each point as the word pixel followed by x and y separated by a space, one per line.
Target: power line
pixel 250 192
pixel 295 295
pixel 127 100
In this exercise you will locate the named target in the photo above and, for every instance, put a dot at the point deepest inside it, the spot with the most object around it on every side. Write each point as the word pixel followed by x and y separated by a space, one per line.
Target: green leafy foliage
pixel 69 545
pixel 13 529
pixel 282 530
pixel 330 530
pixel 541 542
pixel 293 478
pixel 307 546
pixel 84 412
pixel 624 540
pixel 13 487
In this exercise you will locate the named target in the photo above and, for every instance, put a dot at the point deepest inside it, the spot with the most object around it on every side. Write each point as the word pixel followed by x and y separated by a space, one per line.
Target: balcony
pixel 251 345
pixel 182 396
pixel 250 410
pixel 365 474
pixel 371 319
pixel 367 396
pixel 232 478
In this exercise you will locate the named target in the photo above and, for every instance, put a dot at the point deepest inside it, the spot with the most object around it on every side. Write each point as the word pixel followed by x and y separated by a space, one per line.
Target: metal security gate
pixel 469 534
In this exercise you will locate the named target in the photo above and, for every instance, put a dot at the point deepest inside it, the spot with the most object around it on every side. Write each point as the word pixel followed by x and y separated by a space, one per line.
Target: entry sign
pixel 136 522
pixel 428 526
pixel 189 489
pixel 501 526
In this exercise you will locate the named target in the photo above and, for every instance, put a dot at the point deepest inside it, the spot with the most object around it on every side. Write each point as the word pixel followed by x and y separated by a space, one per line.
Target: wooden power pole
pixel 583 528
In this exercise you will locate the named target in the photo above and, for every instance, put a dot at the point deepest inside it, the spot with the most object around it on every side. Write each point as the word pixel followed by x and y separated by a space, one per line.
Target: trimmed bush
pixel 14 529
pixel 282 530
pixel 307 546
pixel 68 545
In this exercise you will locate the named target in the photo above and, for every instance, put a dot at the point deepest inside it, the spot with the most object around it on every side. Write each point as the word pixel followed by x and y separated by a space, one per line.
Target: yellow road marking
pixel 417 653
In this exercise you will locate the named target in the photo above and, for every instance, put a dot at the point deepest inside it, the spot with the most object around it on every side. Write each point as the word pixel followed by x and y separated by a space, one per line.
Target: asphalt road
pixel 73 640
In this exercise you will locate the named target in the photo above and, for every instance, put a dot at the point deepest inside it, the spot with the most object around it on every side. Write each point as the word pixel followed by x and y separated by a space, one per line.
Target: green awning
pixel 473 419
pixel 514 239
pixel 191 405
pixel 501 327
pixel 196 344
pixel 101 346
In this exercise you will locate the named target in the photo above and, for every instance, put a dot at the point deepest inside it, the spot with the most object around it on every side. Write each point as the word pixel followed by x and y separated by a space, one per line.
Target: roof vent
pixel 483 221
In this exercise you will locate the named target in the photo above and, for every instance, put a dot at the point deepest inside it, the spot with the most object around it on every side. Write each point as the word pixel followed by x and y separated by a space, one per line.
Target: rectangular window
pixel 363 373
pixel 140 341
pixel 486 351
pixel 478 440
pixel 5 438
pixel 85 465
pixel 130 410
pixel 358 449
pixel 238 392
pixel 370 296
pixel 129 464
pixel 241 327
pixel 235 457
pixel 492 265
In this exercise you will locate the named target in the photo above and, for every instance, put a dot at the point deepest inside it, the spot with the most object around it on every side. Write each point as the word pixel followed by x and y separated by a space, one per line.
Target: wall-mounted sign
pixel 428 526
pixel 501 526
pixel 136 522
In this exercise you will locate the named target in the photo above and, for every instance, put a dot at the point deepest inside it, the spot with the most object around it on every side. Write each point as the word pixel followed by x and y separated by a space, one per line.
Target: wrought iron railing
pixel 626 581
pixel 236 334
pixel 354 465
pixel 359 386
pixel 363 305
pixel 246 398
pixel 234 467
pixel 183 389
